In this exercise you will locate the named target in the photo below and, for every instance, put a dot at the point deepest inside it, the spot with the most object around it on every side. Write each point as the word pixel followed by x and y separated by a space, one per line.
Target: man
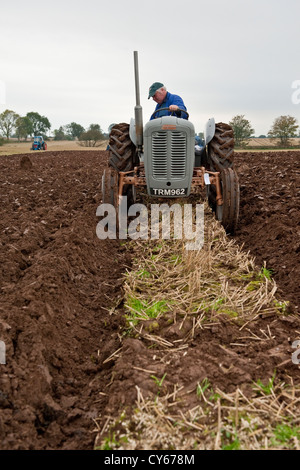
pixel 164 99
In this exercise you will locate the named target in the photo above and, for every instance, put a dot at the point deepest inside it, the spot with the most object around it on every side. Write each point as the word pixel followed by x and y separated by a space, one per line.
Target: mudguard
pixel 132 135
pixel 132 132
pixel 209 130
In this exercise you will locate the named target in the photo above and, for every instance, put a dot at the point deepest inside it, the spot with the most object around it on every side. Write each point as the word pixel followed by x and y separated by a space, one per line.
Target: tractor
pixel 161 158
pixel 38 143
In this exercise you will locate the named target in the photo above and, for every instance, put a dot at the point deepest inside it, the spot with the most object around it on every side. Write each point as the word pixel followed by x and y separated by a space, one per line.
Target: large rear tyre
pixel 122 150
pixel 228 212
pixel 108 187
pixel 221 148
pixel 110 191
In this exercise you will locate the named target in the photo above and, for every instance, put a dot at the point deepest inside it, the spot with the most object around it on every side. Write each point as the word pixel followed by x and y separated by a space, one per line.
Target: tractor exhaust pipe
pixel 138 111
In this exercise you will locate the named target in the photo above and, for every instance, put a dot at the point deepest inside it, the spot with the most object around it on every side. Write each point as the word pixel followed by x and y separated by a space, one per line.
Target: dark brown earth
pixel 270 215
pixel 59 282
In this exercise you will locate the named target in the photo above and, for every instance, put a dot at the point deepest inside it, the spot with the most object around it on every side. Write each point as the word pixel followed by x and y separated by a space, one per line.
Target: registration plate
pixel 168 192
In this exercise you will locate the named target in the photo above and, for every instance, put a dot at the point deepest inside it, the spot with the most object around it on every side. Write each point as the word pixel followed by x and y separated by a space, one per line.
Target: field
pixel 143 345
pixel 257 143
pixel 14 148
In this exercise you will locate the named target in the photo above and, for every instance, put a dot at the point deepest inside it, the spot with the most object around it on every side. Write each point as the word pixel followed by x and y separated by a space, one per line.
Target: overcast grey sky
pixel 73 60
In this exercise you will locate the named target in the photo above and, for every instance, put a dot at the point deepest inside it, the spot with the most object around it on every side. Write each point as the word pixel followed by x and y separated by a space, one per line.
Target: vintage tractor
pixel 161 158
pixel 38 143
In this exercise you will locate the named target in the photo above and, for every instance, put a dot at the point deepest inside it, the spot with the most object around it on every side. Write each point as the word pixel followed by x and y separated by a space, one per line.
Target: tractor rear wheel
pixel 220 149
pixel 228 212
pixel 106 187
pixel 110 180
pixel 110 192
pixel 122 150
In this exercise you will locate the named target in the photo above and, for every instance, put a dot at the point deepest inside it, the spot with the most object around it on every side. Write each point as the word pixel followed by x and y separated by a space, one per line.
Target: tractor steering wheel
pixel 172 113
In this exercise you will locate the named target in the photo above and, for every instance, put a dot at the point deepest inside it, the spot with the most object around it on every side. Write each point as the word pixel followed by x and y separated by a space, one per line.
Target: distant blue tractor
pixel 38 143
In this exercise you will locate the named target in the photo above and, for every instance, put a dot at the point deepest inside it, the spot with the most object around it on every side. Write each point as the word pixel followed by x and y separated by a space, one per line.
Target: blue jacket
pixel 170 99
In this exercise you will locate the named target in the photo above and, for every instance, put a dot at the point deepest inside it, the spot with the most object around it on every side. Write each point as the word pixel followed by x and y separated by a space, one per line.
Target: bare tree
pixel 92 137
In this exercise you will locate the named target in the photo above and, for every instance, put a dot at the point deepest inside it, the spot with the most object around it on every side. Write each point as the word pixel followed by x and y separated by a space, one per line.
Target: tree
pixel 94 127
pixel 92 137
pixel 23 127
pixel 38 124
pixel 8 122
pixel 283 128
pixel 59 134
pixel 242 130
pixel 74 130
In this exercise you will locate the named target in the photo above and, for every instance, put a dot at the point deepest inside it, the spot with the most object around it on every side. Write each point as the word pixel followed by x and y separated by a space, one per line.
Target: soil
pixel 269 223
pixel 60 285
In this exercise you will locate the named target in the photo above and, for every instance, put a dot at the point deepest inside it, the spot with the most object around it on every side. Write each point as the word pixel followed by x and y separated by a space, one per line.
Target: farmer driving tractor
pixel 165 99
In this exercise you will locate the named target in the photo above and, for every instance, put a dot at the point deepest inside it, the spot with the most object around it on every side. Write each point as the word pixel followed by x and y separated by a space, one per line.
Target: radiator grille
pixel 169 150
pixel 178 154
pixel 160 155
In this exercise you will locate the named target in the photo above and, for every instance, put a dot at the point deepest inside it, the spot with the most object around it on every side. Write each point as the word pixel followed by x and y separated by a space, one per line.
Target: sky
pixel 72 61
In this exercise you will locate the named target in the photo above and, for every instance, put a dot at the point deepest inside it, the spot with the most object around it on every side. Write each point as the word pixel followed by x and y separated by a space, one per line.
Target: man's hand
pixel 173 107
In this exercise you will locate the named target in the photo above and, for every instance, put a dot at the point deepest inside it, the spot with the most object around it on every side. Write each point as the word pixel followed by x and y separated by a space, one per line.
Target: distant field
pixel 256 142
pixel 12 148
pixel 24 147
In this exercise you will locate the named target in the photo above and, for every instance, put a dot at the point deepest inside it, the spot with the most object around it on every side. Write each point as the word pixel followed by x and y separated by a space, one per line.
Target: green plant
pixel 283 433
pixel 202 387
pixel 143 273
pixel 208 306
pixel 176 259
pixel 157 248
pixel 142 310
pixel 233 444
pixel 281 306
pixel 230 313
pixel 214 396
pixel 159 382
pixel 205 386
pixel 109 443
pixel 265 389
pixel 259 277
pixel 265 273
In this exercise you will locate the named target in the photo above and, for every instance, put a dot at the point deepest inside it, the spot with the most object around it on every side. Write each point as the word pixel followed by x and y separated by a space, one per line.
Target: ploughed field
pixel 60 286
